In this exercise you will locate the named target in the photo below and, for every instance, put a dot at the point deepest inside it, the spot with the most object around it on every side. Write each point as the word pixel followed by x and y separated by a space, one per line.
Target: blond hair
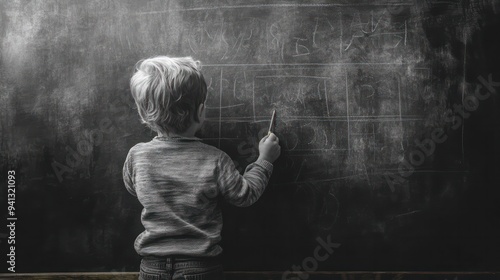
pixel 167 92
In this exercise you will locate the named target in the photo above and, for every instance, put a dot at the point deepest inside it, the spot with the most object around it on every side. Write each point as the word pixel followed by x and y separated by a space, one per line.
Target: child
pixel 178 179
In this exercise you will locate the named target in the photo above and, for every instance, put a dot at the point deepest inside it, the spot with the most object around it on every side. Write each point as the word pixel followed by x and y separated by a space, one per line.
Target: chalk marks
pixel 342 84
pixel 347 112
pixel 220 106
pixel 367 119
pixel 224 107
pixel 298 33
pixel 283 5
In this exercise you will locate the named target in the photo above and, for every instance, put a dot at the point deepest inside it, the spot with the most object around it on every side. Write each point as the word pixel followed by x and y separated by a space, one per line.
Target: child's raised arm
pixel 244 190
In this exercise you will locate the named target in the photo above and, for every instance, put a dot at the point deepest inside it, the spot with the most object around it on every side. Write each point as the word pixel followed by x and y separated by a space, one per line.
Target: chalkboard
pixel 365 92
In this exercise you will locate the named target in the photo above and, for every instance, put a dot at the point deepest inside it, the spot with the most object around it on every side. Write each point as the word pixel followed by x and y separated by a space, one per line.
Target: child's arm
pixel 244 190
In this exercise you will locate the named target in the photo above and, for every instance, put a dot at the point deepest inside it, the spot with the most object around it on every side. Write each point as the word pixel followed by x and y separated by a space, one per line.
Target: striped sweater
pixel 179 183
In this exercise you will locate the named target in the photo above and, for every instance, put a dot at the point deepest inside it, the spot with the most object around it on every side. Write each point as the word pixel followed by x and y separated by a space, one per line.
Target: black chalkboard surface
pixel 387 116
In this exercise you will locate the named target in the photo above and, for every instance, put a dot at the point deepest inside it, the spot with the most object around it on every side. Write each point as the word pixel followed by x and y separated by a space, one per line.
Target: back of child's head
pixel 167 92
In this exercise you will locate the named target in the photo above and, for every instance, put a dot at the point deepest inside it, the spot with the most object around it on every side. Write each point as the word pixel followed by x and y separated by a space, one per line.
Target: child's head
pixel 168 92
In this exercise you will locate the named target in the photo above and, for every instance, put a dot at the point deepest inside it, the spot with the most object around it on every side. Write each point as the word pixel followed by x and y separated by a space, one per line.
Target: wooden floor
pixel 241 275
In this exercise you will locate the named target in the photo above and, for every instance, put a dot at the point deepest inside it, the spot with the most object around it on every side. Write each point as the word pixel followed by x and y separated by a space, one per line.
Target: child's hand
pixel 269 148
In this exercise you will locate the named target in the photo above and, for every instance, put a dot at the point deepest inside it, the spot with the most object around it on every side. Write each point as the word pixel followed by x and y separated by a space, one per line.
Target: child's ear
pixel 201 109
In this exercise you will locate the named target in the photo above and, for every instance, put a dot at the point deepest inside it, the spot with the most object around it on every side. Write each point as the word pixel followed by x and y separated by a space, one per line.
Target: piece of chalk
pixel 273 123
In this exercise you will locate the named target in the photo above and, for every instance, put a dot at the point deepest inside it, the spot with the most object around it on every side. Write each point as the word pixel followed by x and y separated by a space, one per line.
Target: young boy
pixel 178 179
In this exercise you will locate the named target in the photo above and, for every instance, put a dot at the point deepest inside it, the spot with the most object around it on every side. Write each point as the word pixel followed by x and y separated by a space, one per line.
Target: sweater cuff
pixel 265 164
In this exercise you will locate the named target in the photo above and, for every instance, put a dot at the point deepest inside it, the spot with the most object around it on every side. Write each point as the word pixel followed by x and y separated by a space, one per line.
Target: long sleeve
pixel 242 190
pixel 179 184
pixel 127 177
